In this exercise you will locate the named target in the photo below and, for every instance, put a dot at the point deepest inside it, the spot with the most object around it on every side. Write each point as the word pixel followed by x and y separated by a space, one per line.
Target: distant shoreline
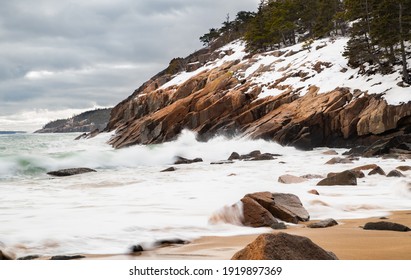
pixel 7 132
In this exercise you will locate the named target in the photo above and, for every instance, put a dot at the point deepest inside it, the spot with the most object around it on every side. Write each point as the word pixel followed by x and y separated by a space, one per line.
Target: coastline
pixel 347 240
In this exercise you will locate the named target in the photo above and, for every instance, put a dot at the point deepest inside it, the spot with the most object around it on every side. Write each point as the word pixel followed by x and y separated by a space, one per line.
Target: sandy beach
pixel 347 240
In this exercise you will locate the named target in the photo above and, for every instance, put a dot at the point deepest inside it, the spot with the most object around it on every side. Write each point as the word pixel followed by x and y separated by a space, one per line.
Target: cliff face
pixel 304 98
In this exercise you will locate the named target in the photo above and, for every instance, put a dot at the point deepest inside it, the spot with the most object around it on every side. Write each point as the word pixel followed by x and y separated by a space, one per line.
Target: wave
pixel 33 154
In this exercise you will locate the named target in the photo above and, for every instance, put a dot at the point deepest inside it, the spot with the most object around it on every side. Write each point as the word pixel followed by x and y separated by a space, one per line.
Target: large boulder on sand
pixel 255 215
pixel 386 226
pixel 283 246
pixel 286 207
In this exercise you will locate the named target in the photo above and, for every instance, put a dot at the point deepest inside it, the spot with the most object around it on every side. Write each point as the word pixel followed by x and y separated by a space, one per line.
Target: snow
pixel 296 65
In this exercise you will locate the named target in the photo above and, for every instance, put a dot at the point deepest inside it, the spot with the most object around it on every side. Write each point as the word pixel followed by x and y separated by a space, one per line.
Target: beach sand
pixel 347 240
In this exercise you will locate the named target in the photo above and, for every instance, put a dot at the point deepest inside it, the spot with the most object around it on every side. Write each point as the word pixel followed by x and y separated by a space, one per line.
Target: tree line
pixel 379 30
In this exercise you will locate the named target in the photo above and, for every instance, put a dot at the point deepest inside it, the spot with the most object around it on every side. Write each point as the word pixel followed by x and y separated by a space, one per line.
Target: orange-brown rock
pixel 220 101
pixel 283 246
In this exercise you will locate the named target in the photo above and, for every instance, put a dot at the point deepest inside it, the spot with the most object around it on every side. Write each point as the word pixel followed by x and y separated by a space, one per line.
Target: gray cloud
pixel 75 54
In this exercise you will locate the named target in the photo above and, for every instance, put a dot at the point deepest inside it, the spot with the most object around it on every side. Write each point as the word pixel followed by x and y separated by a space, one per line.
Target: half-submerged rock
pixel 70 172
pixel 323 224
pixel 283 246
pixel 346 178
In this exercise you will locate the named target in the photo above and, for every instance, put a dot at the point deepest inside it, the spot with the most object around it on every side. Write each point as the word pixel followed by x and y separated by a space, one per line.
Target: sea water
pixel 129 201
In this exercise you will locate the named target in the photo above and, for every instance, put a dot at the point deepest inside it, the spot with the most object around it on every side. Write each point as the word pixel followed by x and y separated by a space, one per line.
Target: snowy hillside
pixel 298 68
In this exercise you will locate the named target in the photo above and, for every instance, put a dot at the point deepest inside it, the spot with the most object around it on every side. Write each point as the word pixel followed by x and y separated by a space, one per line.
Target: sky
pixel 59 58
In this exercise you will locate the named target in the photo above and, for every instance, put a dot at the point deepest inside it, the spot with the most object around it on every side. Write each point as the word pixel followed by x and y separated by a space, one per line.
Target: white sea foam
pixel 128 201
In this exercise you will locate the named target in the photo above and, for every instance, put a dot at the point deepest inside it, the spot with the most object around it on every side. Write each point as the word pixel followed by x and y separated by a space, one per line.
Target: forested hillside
pixel 379 30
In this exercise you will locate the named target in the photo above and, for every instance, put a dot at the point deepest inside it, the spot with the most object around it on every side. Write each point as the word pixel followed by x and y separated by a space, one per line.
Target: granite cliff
pixel 305 97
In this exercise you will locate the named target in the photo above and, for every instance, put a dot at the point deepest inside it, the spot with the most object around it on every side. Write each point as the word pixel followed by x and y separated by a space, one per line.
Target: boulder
pixel 312 176
pixel 170 169
pixel 234 156
pixel 256 215
pixel 314 192
pixel 181 160
pixel 346 178
pixel 358 174
pixel 404 168
pixel 283 246
pixel 136 249
pixel 377 170
pixel 221 162
pixel 365 167
pixel 290 179
pixel 338 160
pixel 70 172
pixel 29 258
pixel 170 242
pixel 66 258
pixel 5 254
pixel 323 224
pixel 395 173
pixel 386 226
pixel 330 153
pixel 286 207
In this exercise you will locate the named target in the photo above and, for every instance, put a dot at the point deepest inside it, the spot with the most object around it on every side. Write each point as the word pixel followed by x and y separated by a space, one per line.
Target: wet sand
pixel 347 240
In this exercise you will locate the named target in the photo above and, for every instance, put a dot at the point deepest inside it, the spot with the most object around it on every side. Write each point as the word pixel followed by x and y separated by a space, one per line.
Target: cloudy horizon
pixel 61 58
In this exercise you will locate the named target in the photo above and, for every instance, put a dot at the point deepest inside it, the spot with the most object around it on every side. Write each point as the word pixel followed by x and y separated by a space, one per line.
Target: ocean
pixel 128 201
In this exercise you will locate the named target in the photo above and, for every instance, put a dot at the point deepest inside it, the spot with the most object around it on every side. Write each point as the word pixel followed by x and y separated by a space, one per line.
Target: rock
pixel 265 156
pixel 234 156
pixel 330 153
pixel 250 155
pixel 312 176
pixel 386 226
pixel 346 178
pixel 29 258
pixel 136 249
pixel 170 169
pixel 365 167
pixel 395 173
pixel 338 160
pixel 82 136
pixel 181 160
pixel 66 258
pixel 221 162
pixel 170 242
pixel 377 170
pixel 404 168
pixel 283 246
pixel 70 172
pixel 400 144
pixel 279 226
pixel 290 179
pixel 323 224
pixel 358 174
pixel 256 215
pixel 286 207
pixel 315 192
pixel 5 254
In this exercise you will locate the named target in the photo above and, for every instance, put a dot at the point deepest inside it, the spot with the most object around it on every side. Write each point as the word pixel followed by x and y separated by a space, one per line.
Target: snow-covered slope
pixel 322 65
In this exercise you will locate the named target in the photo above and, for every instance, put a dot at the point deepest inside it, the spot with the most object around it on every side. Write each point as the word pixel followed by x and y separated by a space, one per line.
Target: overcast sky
pixel 61 57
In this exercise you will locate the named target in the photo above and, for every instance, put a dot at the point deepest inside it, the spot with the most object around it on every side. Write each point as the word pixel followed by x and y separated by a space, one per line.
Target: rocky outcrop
pixel 283 246
pixel 222 100
pixel 70 172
